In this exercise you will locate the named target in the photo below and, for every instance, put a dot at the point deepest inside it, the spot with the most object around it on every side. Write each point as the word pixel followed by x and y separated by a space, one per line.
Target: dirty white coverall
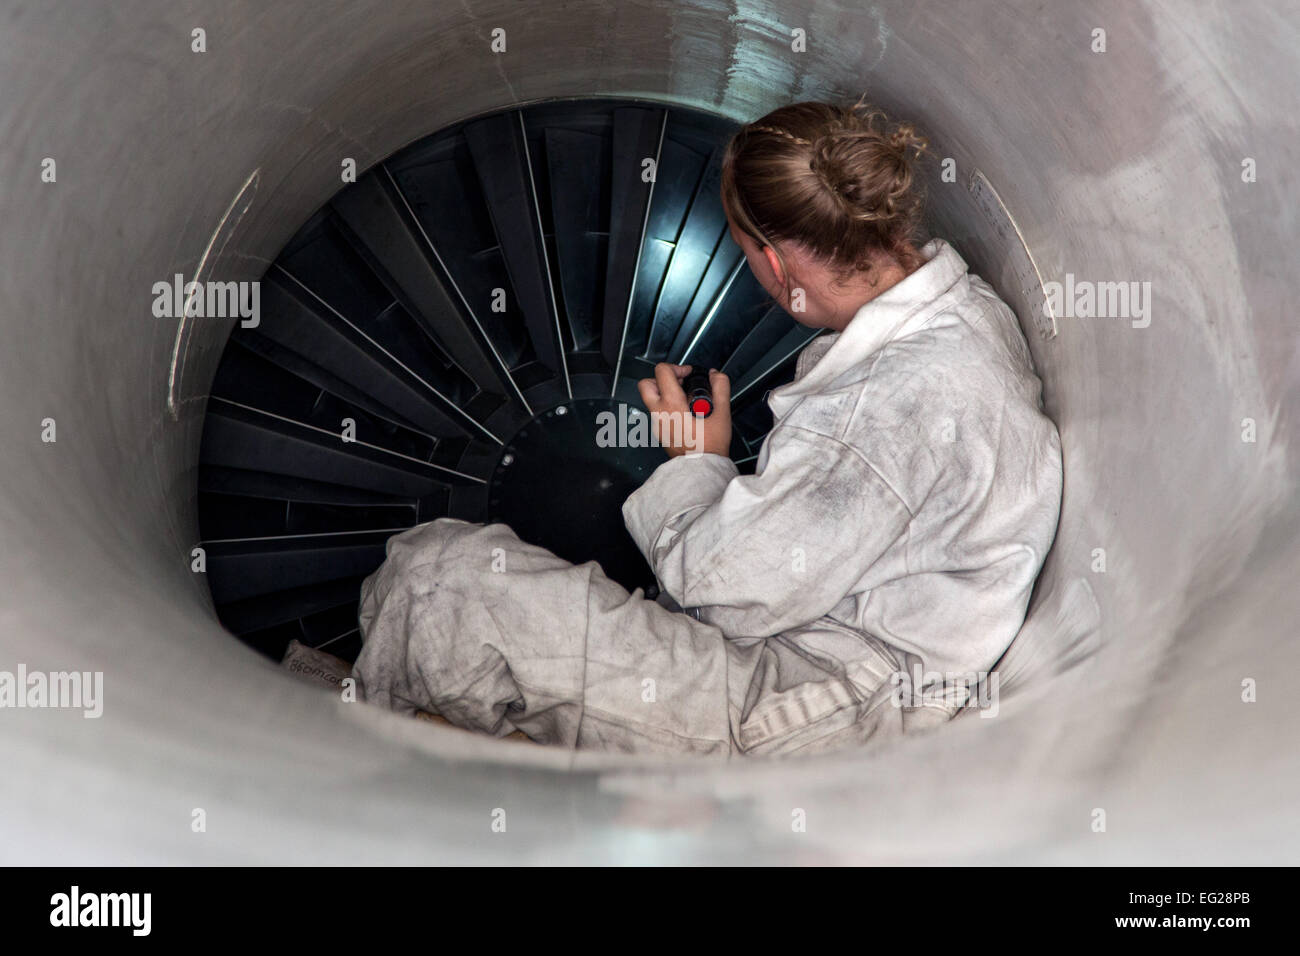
pixel 901 508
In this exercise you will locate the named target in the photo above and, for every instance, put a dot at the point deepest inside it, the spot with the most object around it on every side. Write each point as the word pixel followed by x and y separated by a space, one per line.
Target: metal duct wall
pixel 1127 683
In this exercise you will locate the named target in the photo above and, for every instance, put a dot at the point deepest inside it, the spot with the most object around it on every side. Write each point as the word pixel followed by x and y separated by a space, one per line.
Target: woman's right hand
pixel 679 431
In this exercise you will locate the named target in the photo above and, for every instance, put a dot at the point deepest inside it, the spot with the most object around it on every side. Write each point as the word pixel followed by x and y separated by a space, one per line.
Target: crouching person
pixel 901 507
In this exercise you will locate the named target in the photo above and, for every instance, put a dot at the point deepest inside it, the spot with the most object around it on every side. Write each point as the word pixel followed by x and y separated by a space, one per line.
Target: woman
pixel 900 511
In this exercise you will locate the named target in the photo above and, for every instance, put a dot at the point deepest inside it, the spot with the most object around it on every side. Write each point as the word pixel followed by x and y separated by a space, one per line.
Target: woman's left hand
pixel 680 431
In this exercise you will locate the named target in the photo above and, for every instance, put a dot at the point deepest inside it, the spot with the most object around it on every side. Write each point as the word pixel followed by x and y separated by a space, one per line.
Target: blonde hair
pixel 840 181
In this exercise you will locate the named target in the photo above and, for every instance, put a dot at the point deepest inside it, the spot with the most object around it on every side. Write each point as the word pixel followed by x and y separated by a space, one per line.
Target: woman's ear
pixel 775 264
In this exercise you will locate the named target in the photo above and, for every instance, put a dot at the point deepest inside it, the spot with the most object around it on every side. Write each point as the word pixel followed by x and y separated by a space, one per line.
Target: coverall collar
pixel 896 312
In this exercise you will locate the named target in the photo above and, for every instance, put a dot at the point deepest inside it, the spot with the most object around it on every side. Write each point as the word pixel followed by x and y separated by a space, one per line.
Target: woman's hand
pixel 679 431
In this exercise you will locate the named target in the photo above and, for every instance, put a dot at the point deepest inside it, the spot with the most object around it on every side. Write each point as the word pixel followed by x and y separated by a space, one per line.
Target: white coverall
pixel 901 509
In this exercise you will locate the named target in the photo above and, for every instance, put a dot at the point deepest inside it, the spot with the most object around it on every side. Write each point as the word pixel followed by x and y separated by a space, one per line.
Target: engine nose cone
pixel 562 479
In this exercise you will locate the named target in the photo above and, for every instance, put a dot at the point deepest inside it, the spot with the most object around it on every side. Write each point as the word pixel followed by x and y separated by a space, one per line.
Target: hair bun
pixel 868 169
pixel 838 180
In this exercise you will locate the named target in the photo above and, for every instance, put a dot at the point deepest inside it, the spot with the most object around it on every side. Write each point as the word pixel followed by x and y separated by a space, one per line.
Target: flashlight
pixel 699 394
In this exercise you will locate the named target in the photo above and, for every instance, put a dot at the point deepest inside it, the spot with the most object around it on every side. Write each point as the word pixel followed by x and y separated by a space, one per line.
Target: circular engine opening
pixel 447 335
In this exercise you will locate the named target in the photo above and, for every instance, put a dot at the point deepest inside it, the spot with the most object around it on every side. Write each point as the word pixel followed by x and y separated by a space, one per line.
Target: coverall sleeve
pixel 765 553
